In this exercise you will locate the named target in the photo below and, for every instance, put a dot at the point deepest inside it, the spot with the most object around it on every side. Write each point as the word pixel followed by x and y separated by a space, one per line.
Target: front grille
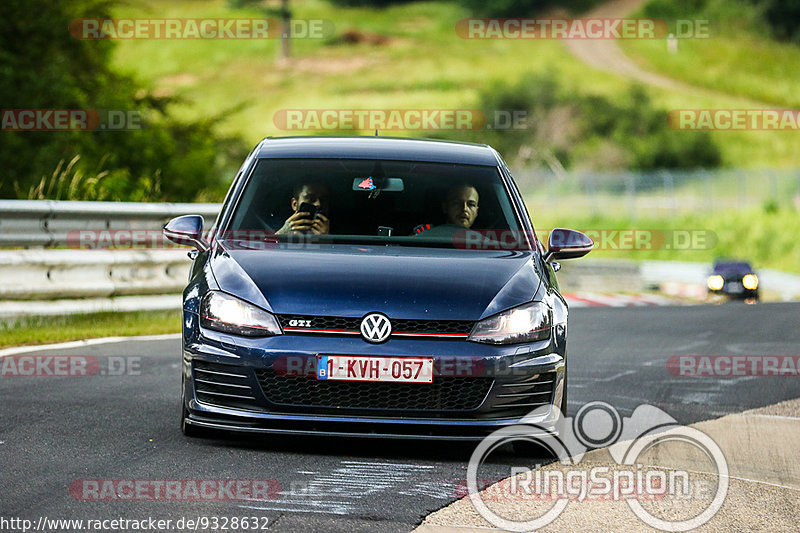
pixel 224 386
pixel 534 391
pixel 399 326
pixel 444 394
pixel 432 326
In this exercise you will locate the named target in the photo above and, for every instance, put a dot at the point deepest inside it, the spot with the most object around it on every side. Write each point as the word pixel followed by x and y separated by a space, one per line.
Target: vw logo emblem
pixel 376 327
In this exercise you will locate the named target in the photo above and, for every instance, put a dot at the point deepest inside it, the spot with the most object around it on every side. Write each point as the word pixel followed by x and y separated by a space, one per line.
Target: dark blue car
pixel 368 286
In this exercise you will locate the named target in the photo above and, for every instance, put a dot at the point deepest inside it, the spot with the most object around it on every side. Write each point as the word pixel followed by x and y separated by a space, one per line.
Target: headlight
pixel 750 281
pixel 526 323
pixel 222 312
pixel 715 282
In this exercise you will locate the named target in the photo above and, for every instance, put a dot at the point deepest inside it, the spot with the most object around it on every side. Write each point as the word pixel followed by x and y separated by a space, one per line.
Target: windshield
pixel 376 201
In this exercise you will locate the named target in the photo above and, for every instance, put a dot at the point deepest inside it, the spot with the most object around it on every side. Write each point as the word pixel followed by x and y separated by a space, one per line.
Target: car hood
pixel 402 282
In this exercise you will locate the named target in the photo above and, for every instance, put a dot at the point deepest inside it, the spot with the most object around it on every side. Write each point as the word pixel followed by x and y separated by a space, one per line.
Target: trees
pixel 43 67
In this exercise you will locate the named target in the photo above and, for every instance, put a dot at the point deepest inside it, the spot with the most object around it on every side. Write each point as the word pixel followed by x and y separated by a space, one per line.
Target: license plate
pixel 736 287
pixel 370 368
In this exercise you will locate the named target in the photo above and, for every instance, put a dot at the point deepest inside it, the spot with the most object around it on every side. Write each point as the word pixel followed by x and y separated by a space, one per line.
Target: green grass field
pixel 738 58
pixel 767 239
pixel 423 64
pixel 42 330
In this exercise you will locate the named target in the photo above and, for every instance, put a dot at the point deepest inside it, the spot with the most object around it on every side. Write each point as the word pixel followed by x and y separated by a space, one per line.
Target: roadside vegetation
pixel 765 236
pixel 205 103
pixel 752 51
pixel 44 330
pixel 406 55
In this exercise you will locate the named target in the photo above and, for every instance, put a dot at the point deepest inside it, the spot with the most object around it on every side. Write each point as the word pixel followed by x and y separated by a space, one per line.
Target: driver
pixel 460 205
pixel 310 192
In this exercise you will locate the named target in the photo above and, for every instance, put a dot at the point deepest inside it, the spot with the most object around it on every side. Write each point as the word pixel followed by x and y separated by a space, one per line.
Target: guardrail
pixel 48 223
pixel 61 281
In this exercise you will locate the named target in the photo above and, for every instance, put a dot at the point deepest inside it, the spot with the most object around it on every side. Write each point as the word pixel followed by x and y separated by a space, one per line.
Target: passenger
pixel 460 206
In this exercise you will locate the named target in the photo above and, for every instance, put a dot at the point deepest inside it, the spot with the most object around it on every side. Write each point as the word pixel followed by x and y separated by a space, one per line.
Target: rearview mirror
pixel 567 244
pixel 383 184
pixel 187 230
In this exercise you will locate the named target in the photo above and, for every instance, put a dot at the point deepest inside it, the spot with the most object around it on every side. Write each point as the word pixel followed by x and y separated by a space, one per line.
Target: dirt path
pixel 605 54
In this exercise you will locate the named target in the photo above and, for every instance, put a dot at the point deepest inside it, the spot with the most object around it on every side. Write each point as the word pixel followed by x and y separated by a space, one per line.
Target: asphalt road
pixel 55 431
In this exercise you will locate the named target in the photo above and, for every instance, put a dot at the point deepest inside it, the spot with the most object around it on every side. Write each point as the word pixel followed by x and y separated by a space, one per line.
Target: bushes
pixel 580 131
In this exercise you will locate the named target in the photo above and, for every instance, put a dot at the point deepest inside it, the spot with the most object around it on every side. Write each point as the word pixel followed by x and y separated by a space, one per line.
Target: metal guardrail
pixel 48 223
pixel 60 281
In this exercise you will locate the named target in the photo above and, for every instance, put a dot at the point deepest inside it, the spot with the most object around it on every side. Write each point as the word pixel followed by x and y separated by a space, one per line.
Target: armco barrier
pixel 61 281
pixel 48 222
pixel 51 274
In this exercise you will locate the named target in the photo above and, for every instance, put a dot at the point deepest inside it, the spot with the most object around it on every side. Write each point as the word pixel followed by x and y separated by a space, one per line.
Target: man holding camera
pixel 309 203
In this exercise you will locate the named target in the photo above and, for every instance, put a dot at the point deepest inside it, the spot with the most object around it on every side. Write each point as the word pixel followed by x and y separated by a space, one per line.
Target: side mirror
pixel 187 230
pixel 567 244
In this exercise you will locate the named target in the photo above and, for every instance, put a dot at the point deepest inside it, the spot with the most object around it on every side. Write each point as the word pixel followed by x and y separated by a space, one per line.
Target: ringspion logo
pixel 631 442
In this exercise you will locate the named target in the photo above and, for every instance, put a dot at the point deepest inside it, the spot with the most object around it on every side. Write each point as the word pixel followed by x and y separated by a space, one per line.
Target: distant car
pixel 388 320
pixel 735 279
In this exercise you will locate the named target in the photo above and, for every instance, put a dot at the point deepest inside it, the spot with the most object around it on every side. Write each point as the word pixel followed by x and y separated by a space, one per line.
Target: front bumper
pixel 268 385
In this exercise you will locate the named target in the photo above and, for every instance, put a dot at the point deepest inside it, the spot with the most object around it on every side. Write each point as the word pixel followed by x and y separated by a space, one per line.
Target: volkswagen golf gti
pixel 373 287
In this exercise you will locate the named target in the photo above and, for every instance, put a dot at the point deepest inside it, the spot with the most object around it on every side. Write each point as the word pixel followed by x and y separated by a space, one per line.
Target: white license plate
pixel 736 287
pixel 370 368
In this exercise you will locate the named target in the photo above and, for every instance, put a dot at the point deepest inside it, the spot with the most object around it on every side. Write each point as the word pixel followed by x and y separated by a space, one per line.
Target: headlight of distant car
pixel 715 282
pixel 527 323
pixel 750 282
pixel 222 312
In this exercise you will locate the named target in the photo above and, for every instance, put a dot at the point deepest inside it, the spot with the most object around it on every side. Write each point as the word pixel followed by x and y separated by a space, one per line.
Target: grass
pixel 43 330
pixel 738 58
pixel 424 65
pixel 762 236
